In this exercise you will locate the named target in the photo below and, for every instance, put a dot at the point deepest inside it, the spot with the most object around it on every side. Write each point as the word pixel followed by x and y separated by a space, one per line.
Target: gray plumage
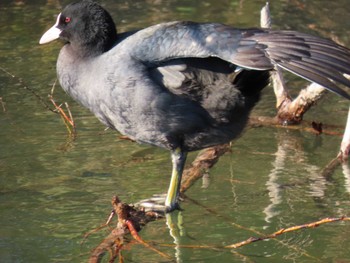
pixel 182 85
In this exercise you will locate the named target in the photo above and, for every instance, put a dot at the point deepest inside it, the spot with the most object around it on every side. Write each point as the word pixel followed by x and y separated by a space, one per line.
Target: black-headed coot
pixel 182 86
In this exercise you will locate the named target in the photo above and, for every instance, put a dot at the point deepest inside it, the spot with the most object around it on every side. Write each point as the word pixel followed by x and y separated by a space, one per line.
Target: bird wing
pixel 208 82
pixel 313 58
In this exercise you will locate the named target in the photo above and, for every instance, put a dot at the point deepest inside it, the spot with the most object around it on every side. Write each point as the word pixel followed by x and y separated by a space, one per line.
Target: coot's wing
pixel 313 58
pixel 219 87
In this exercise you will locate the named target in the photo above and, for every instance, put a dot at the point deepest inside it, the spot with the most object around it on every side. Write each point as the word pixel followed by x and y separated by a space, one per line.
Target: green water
pixel 53 189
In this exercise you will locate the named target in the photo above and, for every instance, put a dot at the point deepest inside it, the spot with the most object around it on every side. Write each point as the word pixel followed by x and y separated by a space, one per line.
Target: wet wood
pixel 201 165
pixel 129 221
pixel 292 111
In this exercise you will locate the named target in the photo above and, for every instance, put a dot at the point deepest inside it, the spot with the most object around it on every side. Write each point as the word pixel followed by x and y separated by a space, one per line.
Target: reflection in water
pixel 174 222
pixel 318 183
pixel 346 172
pixel 272 185
pixel 290 151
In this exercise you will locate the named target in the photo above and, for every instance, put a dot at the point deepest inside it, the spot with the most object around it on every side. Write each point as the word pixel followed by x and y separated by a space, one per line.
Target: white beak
pixel 51 34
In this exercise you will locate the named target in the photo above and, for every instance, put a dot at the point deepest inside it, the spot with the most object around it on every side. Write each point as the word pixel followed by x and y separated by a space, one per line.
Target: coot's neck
pixel 93 43
pixel 91 49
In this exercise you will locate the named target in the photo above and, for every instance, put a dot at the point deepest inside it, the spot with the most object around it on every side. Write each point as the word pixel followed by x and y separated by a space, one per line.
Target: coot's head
pixel 86 27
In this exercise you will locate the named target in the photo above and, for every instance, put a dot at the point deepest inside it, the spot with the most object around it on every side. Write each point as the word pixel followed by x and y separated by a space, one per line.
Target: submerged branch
pixel 305 126
pixel 130 221
pixel 286 230
pixel 203 162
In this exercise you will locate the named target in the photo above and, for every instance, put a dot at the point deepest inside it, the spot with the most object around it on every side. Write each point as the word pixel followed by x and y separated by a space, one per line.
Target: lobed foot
pixel 156 203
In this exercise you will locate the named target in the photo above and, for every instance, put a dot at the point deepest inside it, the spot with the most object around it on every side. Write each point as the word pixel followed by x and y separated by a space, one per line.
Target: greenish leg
pixel 178 158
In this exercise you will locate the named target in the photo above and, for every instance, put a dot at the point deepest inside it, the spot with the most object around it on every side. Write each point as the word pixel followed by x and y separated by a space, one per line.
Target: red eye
pixel 67 20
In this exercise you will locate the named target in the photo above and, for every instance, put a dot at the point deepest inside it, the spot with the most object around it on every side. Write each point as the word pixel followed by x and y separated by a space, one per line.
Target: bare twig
pixel 26 87
pixel 266 237
pixel 68 121
pixel 238 226
pixel 286 230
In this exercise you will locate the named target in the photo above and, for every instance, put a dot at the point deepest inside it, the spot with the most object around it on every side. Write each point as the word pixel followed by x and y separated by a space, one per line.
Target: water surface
pixel 53 189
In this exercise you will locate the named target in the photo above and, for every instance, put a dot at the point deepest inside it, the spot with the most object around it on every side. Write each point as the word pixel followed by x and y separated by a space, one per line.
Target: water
pixel 54 189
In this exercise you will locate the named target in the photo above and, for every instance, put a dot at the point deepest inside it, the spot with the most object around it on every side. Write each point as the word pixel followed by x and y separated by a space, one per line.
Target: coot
pixel 182 86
